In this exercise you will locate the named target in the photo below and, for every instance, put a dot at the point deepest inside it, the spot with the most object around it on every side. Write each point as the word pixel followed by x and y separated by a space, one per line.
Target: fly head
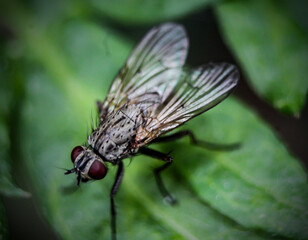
pixel 87 165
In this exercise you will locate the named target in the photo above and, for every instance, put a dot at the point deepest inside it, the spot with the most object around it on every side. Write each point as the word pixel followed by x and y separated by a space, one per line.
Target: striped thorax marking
pixel 114 135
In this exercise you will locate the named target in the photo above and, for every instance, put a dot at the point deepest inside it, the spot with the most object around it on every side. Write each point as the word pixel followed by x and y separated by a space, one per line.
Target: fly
pixel 151 95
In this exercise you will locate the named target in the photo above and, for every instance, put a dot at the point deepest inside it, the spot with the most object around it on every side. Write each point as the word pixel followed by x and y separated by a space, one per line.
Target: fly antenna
pixel 70 171
pixel 61 168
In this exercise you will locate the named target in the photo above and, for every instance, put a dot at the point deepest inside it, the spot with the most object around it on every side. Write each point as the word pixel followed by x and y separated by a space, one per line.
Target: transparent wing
pixel 196 92
pixel 153 66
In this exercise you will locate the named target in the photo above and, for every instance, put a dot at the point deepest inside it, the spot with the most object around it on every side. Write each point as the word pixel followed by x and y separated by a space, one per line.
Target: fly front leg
pixel 157 171
pixel 114 190
pixel 195 141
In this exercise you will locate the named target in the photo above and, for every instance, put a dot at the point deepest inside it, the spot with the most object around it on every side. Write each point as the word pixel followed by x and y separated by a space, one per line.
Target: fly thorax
pixel 112 139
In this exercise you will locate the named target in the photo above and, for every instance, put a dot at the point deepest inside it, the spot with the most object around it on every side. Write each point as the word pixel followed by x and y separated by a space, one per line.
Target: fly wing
pixel 154 66
pixel 197 91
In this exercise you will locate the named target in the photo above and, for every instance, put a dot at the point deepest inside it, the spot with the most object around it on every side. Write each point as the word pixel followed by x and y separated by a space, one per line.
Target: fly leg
pixel 157 171
pixel 195 141
pixel 114 189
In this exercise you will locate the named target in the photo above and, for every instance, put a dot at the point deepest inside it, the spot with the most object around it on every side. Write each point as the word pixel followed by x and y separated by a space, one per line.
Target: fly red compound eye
pixel 97 170
pixel 75 152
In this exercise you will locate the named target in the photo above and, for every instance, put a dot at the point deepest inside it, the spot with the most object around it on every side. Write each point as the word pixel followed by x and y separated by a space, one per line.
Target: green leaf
pixel 260 186
pixel 145 12
pixel 271 48
pixel 256 192
pixel 79 213
pixel 246 191
pixel 7 185
pixel 7 76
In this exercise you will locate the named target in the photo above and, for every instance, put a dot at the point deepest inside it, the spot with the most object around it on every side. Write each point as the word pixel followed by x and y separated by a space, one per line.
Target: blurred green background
pixel 57 58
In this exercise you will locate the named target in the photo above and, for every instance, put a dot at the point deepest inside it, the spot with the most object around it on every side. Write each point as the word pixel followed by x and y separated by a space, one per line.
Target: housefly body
pixel 151 95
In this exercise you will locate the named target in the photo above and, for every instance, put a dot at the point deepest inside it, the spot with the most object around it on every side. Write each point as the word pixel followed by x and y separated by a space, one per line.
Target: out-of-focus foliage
pixel 7 90
pixel 7 186
pixel 272 48
pixel 256 192
pixel 141 12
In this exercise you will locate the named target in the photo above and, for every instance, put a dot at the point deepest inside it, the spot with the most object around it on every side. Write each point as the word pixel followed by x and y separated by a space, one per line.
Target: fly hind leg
pixel 195 141
pixel 157 172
